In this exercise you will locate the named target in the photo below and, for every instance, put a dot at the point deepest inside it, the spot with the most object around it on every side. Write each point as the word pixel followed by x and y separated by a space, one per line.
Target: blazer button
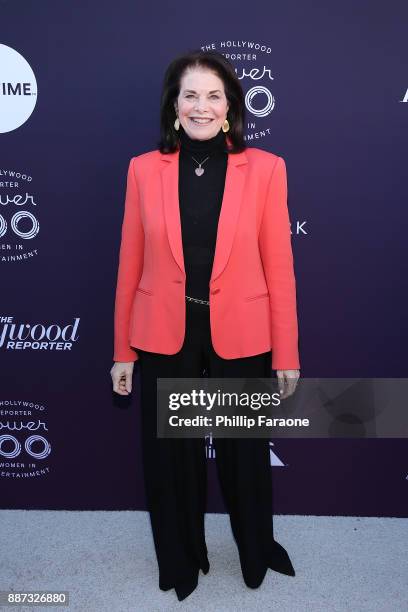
pixel 214 291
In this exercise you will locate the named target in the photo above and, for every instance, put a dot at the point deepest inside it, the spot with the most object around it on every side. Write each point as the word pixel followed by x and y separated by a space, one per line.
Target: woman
pixel 205 283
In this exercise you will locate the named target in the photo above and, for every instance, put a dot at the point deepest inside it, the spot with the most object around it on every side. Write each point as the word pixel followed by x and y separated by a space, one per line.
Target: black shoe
pixel 184 589
pixel 255 583
pixel 279 560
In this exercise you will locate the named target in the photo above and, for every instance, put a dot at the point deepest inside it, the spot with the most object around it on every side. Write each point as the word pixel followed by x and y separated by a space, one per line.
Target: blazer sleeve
pixel 277 260
pixel 129 269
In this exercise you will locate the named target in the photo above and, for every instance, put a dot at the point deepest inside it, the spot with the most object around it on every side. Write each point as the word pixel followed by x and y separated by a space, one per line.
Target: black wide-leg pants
pixel 175 471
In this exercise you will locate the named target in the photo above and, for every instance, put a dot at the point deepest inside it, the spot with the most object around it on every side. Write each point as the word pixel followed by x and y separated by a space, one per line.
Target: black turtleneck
pixel 200 199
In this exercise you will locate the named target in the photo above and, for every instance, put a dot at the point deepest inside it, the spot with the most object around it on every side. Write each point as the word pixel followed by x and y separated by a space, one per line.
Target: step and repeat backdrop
pixel 326 89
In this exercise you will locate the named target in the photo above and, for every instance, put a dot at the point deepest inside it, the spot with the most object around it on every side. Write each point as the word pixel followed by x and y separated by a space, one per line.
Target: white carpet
pixel 106 561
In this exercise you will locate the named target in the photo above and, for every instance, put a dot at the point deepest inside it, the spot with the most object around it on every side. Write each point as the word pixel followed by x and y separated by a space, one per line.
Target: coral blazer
pixel 252 289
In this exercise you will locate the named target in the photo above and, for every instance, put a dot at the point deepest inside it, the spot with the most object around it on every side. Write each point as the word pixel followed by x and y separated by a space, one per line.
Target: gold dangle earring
pixel 225 126
pixel 177 124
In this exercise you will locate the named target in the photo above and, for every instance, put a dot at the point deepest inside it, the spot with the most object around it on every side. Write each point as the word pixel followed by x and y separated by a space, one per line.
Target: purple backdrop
pixel 332 88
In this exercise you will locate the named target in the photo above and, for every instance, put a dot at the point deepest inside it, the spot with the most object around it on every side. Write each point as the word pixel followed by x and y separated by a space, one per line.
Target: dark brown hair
pixel 216 62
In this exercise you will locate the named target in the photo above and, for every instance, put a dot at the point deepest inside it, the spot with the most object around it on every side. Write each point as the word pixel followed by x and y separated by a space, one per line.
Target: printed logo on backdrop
pixel 25 447
pixel 210 452
pixel 253 65
pixel 405 97
pixel 19 225
pixel 23 336
pixel 18 89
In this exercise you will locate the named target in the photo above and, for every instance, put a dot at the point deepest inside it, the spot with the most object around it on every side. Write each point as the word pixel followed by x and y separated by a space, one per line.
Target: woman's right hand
pixel 122 372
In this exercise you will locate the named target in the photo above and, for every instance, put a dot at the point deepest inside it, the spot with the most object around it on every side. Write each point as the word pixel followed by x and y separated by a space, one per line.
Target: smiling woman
pixel 201 106
pixel 205 283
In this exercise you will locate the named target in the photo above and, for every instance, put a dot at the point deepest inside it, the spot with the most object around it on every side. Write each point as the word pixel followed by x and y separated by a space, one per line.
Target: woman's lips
pixel 199 122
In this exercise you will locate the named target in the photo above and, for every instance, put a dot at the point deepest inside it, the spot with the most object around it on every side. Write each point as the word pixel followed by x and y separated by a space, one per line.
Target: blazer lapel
pixel 230 207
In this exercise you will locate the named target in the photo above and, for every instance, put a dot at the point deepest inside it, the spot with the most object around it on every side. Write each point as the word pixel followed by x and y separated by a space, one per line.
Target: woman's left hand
pixel 287 381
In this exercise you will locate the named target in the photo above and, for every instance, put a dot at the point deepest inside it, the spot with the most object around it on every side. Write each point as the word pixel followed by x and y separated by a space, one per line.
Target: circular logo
pixel 251 93
pixel 18 89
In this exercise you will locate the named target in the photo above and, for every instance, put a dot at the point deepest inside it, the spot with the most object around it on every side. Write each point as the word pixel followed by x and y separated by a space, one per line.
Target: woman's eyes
pixel 192 96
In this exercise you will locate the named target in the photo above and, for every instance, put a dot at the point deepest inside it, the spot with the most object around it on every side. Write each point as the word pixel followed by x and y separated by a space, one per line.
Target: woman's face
pixel 201 97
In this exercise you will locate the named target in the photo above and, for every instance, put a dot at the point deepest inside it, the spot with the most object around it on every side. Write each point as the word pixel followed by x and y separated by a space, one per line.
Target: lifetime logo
pixel 18 89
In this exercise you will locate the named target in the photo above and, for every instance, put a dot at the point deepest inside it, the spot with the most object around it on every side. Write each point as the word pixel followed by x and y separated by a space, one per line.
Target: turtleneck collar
pixel 217 142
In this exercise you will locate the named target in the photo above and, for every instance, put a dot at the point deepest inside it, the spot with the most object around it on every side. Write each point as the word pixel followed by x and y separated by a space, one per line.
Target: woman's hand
pixel 121 373
pixel 287 380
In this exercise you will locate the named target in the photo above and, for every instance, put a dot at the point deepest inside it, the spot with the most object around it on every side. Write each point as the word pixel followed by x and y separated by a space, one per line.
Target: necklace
pixel 199 170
